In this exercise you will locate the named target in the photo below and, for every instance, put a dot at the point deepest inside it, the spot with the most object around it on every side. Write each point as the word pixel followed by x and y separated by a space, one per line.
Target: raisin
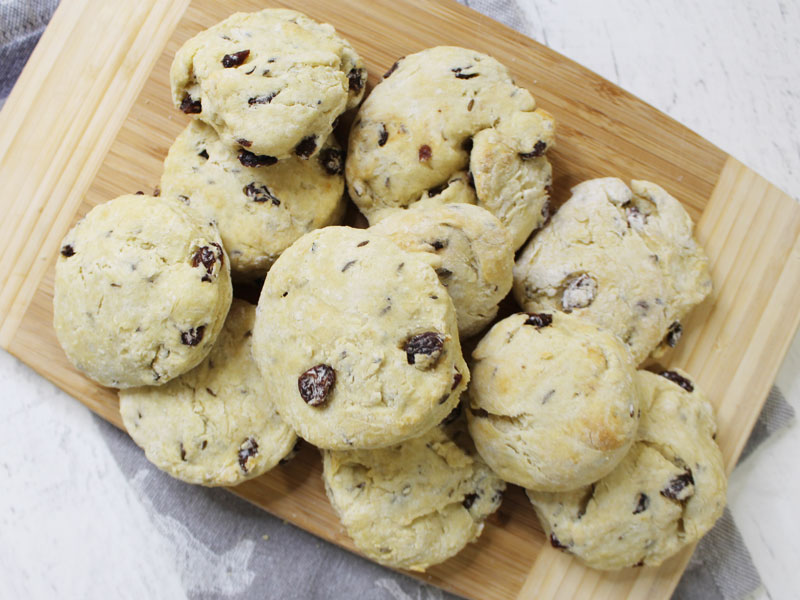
pixel 539 320
pixel 673 334
pixel 244 142
pixel 156 191
pixel 235 59
pixel 393 68
pixel 470 104
pixel 355 79
pixel 556 543
pixel 248 449
pixel 456 380
pixel 676 486
pixel 639 564
pixel 579 293
pixel 203 153
pixel 183 452
pixel 260 193
pixel 190 106
pixel 438 244
pixel 538 149
pixel 460 75
pixel 383 136
pixel 248 159
pixel 429 343
pixel 316 384
pixel 332 160
pixel 265 99
pixel 306 146
pixel 364 243
pixel 348 264
pixel 193 336
pixel 207 256
pixel 67 251
pixel 469 500
pixel 435 191
pixel 641 503
pixel 678 380
pixel 425 153
pixel 636 218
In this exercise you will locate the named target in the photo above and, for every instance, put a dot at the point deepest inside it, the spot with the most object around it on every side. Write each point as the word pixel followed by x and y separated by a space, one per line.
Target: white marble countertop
pixel 72 526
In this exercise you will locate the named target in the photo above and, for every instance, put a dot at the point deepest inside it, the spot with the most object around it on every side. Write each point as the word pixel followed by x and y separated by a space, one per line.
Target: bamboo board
pixel 96 95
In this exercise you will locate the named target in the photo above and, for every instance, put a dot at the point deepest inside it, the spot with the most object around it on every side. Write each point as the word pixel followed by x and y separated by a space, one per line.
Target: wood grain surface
pixel 96 94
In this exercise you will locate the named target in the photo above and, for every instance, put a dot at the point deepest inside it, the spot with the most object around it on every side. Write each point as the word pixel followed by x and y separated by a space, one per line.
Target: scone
pixel 270 82
pixel 666 494
pixel 259 211
pixel 142 288
pixel 553 403
pixel 214 425
pixel 357 340
pixel 622 258
pixel 414 135
pixel 474 250
pixel 415 504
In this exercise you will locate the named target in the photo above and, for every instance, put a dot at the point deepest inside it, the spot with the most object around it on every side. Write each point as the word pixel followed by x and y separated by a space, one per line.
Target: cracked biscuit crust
pixel 665 494
pixel 414 135
pixel 358 340
pixel 622 258
pixel 553 403
pixel 474 252
pixel 272 82
pixel 416 504
pixel 259 211
pixel 214 425
pixel 142 288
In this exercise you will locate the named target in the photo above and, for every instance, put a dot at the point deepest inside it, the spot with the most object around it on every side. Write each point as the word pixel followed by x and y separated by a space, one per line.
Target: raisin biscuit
pixel 416 504
pixel 259 211
pixel 142 288
pixel 665 494
pixel 271 83
pixel 415 133
pixel 214 425
pixel 357 340
pixel 474 248
pixel 553 403
pixel 623 259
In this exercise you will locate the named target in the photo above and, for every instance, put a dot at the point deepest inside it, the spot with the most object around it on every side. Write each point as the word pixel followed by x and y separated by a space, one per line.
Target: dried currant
pixel 260 193
pixel 673 334
pixel 677 488
pixel 355 79
pixel 332 160
pixel 461 75
pixel 203 153
pixel 425 153
pixel 235 59
pixel 428 344
pixel 264 99
pixel 469 500
pixel 383 135
pixel 539 320
pixel 207 256
pixel 678 379
pixel 315 385
pixel 556 543
pixel 538 149
pixel 642 502
pixel 248 449
pixel 244 142
pixel 306 146
pixel 248 159
pixel 191 106
pixel 193 336
pixel 67 250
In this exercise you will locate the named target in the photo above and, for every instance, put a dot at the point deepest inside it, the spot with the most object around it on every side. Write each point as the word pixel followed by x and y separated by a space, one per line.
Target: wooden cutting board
pixel 91 118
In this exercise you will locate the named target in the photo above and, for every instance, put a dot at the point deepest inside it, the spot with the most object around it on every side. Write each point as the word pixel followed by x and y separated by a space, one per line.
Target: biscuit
pixel 623 259
pixel 665 494
pixel 474 249
pixel 416 504
pixel 259 211
pixel 553 403
pixel 414 133
pixel 357 340
pixel 214 425
pixel 142 288
pixel 271 83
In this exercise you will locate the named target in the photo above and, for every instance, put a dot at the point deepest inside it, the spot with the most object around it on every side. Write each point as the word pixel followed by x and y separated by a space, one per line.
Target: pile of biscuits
pixel 355 344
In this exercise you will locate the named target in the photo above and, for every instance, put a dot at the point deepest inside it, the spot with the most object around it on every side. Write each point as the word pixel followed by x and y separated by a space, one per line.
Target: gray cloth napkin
pixel 228 548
